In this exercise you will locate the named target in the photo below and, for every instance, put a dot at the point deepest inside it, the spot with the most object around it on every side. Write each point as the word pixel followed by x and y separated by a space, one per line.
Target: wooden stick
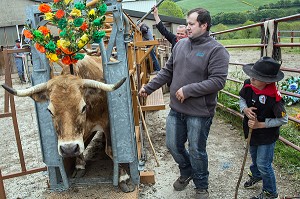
pixel 243 165
pixel 146 129
pixel 92 3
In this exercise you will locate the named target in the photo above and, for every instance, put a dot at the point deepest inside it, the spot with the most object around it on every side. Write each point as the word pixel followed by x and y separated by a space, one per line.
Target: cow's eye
pixel 83 109
pixel 50 112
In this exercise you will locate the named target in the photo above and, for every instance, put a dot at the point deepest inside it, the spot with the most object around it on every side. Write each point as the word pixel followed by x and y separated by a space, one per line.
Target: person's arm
pixel 163 76
pixel 161 28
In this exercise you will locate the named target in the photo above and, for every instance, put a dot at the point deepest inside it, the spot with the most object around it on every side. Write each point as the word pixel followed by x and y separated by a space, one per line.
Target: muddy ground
pixel 225 150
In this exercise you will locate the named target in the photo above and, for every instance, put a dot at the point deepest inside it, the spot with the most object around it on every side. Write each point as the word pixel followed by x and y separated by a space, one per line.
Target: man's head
pixel 181 32
pixel 18 42
pixel 199 21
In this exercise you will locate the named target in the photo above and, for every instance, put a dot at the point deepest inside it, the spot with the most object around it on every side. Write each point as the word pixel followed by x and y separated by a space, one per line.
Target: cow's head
pixel 67 106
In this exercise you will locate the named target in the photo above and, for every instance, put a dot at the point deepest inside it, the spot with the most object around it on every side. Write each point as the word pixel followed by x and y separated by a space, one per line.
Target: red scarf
pixel 270 90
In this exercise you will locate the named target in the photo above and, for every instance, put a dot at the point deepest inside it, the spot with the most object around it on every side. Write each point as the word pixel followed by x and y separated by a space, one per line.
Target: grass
pixel 286 158
pixel 216 6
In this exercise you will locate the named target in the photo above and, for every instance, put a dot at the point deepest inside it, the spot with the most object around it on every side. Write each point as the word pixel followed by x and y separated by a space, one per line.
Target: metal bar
pixel 17 133
pixel 2 190
pixel 7 80
pixel 3 115
pixel 31 171
pixel 149 12
pixel 285 141
pixel 287 45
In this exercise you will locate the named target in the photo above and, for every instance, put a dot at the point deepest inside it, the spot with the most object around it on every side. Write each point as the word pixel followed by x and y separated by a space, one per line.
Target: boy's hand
pixel 249 112
pixel 255 124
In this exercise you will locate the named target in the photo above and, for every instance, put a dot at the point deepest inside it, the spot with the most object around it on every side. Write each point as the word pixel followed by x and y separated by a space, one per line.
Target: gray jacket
pixel 200 67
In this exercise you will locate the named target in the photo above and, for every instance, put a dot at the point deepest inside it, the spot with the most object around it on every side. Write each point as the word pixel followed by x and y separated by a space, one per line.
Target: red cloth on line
pixel 270 90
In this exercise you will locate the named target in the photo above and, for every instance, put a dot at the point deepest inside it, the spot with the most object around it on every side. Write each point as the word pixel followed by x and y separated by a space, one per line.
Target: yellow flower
pixel 52 57
pixel 75 12
pixel 68 1
pixel 84 38
pixel 58 43
pixel 64 43
pixel 81 44
pixel 49 16
pixel 92 12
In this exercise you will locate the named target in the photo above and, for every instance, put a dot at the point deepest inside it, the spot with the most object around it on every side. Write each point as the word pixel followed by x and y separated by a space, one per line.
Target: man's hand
pixel 179 95
pixel 155 10
pixel 249 112
pixel 143 92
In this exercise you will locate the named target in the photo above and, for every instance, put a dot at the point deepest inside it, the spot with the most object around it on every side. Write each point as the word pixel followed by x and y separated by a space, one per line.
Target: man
pixel 181 31
pixel 198 68
pixel 147 36
pixel 19 61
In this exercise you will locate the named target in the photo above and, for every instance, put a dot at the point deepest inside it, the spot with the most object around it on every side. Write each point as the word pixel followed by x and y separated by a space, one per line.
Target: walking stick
pixel 243 165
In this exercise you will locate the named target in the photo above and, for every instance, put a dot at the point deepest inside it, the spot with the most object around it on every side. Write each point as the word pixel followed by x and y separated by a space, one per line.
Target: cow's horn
pixel 26 92
pixel 106 87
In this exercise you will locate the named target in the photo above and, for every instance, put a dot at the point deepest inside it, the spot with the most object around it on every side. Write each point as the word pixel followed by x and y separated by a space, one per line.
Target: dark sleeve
pixel 279 109
pixel 167 34
pixel 144 28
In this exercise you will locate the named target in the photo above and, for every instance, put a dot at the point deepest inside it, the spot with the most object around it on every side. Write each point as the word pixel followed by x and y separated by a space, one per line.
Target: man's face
pixel 193 27
pixel 18 44
pixel 181 33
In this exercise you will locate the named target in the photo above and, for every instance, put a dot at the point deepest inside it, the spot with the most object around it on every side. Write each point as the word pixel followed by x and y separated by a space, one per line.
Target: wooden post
pixel 292 37
pixel 2 191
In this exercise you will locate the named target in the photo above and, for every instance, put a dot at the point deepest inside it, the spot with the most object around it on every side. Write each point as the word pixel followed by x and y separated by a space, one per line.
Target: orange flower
pixel 40 48
pixel 56 1
pixel 44 30
pixel 66 51
pixel 74 61
pixel 84 26
pixel 67 60
pixel 44 8
pixel 59 14
pixel 28 34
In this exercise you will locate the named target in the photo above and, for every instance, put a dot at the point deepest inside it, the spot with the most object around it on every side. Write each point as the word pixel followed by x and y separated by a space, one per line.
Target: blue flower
pixel 293 86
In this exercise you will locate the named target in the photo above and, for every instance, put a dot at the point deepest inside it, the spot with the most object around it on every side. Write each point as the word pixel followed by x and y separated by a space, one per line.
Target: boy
pixel 264 111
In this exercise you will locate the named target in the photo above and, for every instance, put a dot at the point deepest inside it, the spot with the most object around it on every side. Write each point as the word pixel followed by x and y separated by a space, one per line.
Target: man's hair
pixel 203 16
pixel 182 26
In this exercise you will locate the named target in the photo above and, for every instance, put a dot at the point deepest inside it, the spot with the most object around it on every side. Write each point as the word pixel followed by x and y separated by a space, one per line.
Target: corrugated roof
pixel 142 6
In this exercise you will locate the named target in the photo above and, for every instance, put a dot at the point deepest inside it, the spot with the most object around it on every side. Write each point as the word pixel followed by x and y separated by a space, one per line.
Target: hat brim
pixel 251 73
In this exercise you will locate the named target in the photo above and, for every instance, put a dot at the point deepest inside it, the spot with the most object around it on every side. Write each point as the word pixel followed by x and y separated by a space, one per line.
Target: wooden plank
pixel 155 101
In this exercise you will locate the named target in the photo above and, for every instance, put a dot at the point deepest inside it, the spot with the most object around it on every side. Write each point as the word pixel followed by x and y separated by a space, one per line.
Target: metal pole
pixel 142 19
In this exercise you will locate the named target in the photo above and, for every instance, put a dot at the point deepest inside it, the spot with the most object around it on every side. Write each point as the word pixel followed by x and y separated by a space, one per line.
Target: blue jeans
pixel 261 167
pixel 155 61
pixel 194 161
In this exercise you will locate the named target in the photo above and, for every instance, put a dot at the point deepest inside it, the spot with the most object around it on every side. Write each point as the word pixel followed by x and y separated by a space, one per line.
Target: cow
pixel 78 106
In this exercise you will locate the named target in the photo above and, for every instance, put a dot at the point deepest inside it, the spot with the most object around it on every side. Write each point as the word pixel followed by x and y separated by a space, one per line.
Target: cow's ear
pixel 40 96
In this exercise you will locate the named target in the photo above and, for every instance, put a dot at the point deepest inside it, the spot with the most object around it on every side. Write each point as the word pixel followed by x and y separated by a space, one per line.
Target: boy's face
pixel 258 84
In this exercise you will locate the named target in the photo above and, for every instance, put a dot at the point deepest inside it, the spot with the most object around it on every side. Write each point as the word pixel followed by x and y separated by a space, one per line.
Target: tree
pixel 169 8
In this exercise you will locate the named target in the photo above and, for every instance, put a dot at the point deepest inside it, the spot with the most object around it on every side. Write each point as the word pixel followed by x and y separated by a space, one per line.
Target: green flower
pixel 78 22
pixel 51 46
pixel 79 56
pixel 98 35
pixel 79 6
pixel 38 35
pixel 62 23
pixel 97 22
pixel 63 33
pixel 102 9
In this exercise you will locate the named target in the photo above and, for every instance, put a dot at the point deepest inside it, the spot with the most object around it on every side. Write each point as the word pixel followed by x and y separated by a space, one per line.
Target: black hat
pixel 266 69
pixel 18 41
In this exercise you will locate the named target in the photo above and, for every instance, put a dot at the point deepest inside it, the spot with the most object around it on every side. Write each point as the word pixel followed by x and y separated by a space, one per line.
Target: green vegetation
pixel 216 6
pixel 169 8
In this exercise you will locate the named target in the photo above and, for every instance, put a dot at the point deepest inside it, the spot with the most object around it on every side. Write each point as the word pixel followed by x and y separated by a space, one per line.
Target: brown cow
pixel 78 106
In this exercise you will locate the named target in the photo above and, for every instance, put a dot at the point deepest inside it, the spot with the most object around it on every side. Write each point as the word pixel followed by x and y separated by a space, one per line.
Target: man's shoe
pixel 201 194
pixel 251 182
pixel 265 195
pixel 181 182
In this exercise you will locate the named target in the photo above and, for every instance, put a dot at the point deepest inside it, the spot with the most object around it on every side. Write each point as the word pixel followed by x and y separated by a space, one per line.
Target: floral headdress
pixel 77 24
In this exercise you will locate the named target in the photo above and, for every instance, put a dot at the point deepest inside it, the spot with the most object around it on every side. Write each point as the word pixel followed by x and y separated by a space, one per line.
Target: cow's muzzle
pixel 69 150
